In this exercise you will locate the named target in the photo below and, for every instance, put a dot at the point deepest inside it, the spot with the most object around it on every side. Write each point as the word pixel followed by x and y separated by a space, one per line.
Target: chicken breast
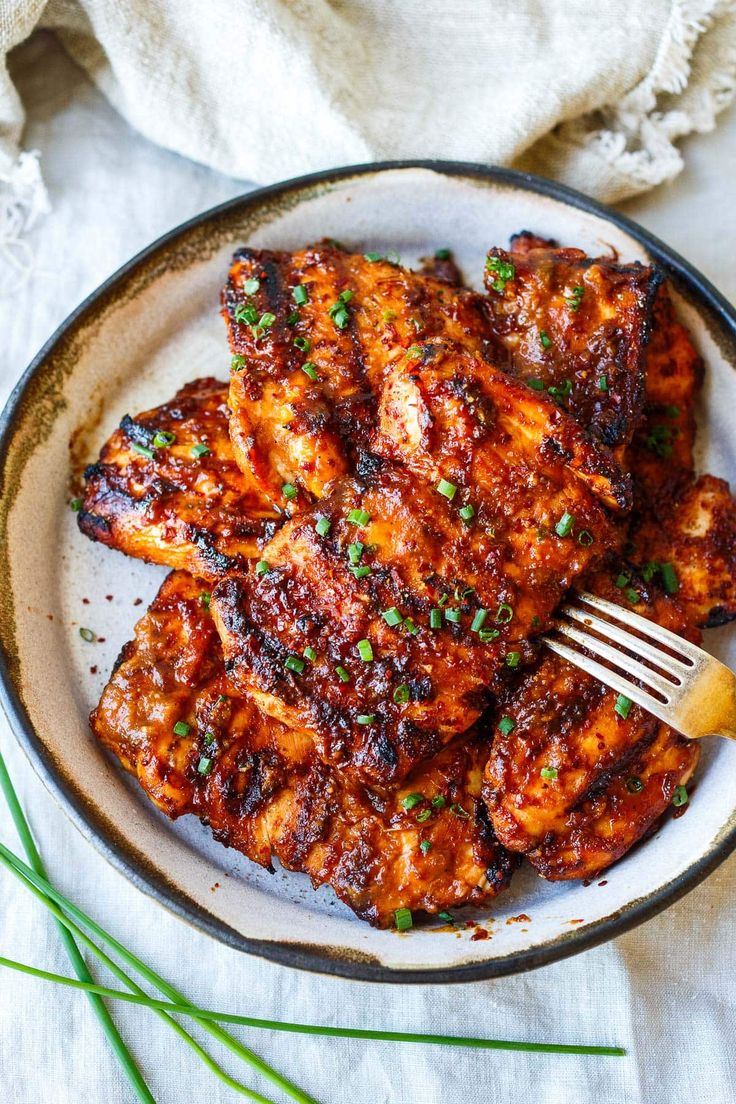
pixel 173 718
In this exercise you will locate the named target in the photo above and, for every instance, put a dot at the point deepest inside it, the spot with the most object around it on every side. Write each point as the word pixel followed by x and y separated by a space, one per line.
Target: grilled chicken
pixel 166 488
pixel 576 325
pixel 491 560
pixel 173 718
pixel 310 332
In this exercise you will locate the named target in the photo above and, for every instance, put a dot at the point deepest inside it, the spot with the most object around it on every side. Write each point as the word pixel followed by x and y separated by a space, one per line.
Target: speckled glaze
pixel 152 327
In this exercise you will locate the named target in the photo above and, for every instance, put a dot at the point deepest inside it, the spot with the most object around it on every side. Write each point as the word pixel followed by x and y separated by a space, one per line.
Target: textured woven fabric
pixel 664 991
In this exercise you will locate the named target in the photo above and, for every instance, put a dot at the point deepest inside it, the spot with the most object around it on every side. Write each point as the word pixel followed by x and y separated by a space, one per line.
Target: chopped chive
pixel 576 298
pixel 446 916
pixel 680 796
pixel 365 651
pixel 513 659
pixel 237 364
pixel 246 312
pixel 389 315
pixel 204 766
pixel 323 526
pixel 562 391
pixel 438 801
pixel 564 526
pixel 88 635
pixel 585 537
pixel 423 815
pixel 670 581
pixel 549 773
pixel 266 320
pixel 309 653
pixel 410 626
pixel 303 344
pixel 468 512
pixel 181 728
pixel 142 450
pixel 425 846
pixel 443 600
pixel 442 254
pixel 634 784
pixel 360 572
pixel 355 551
pixel 359 517
pixel 545 339
pixel 205 599
pixel 414 352
pixel 504 271
pixel 479 620
pixel 486 635
pixel 449 490
pixel 536 621
pixel 504 613
pixel 392 616
pixel 294 663
pixel 162 439
pixel 632 595
pixel 459 811
pixel 536 384
pixel 403 919
pixel 411 800
pixel 649 570
pixel 435 619
pixel 602 383
pixel 300 295
pixel 453 615
pixel 621 581
pixel 402 694
pixel 209 739
pixel 622 706
pixel 372 257
pixel 75 505
pixel 289 491
pixel 292 318
pixel 262 567
pixel 309 369
pixel 365 718
pixel 251 286
pixel 462 591
pixel 506 725
pixel 200 450
pixel 342 674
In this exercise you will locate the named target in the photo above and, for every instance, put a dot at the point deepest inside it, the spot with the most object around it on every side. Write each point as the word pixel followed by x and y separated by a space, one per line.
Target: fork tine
pixel 642 625
pixel 634 643
pixel 631 667
pixel 610 678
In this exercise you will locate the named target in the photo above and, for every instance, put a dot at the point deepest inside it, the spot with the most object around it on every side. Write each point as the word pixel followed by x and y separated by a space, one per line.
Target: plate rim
pixel 121 854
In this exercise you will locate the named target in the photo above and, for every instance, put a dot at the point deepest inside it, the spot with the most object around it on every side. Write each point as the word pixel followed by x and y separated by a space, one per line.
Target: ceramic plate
pixel 154 326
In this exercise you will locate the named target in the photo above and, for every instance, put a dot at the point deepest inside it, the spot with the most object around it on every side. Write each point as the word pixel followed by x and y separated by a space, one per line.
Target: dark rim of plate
pixel 337 961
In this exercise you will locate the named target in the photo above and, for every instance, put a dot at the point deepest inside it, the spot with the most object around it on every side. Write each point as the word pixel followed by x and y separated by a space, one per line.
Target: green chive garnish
pixel 602 383
pixel 504 613
pixel 402 694
pixel 503 270
pixel 251 286
pixel 468 512
pixel 392 616
pixel 486 635
pixel 576 298
pixel 403 919
pixel 310 654
pixel 372 257
pixel 435 619
pixel 634 784
pixel 585 537
pixel 355 551
pixel 564 526
pixel 410 627
pixel 506 725
pixel 289 491
pixel 425 846
pixel 359 517
pixel 365 718
pixel 204 766
pixel 545 339
pixel 246 312
pixel 300 295
pixel 442 254
pixel 303 344
pixel 479 620
pixel 88 635
pixel 360 572
pixel 294 663
pixel 459 811
pixel 237 364
pixel 209 739
pixel 323 526
pixel 680 796
pixel 536 384
pixel 162 439
pixel 623 706
pixel 670 581
pixel 262 567
pixel 453 615
pixel 513 659
pixel 438 801
pixel 414 352
pixel 449 490
pixel 365 651
pixel 205 599
pixel 310 369
pixel 75 505
pixel 181 728
pixel 632 595
pixel 411 800
pixel 423 815
pixel 342 674
pixel 142 450
pixel 200 450
pixel 549 773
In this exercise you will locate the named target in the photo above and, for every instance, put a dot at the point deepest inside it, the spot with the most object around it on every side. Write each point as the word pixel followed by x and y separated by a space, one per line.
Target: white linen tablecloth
pixel 665 991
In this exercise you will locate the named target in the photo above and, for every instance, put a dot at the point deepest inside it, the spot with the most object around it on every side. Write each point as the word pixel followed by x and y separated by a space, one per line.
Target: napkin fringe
pixel 23 201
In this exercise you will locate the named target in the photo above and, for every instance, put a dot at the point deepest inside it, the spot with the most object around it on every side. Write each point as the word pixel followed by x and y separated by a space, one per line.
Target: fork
pixel 689 690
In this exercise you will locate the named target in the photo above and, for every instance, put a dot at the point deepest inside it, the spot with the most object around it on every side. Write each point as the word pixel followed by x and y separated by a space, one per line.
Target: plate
pixel 152 327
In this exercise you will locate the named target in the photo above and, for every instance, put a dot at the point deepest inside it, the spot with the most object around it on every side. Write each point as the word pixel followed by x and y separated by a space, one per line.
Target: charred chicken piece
pixel 310 332
pixel 576 327
pixel 166 488
pixel 172 717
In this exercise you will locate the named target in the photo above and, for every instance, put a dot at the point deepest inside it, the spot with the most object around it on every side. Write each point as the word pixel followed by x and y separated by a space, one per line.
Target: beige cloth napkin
pixel 594 94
